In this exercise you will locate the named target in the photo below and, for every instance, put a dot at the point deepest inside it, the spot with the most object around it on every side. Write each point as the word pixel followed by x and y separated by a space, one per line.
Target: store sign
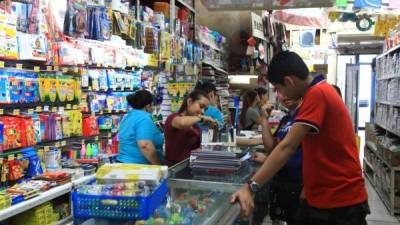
pixel 257 26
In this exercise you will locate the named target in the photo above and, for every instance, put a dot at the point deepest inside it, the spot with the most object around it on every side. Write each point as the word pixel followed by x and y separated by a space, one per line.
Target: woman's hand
pixel 208 121
pixel 259 157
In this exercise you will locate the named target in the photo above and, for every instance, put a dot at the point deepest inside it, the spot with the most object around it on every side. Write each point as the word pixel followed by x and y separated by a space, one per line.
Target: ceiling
pixel 264 4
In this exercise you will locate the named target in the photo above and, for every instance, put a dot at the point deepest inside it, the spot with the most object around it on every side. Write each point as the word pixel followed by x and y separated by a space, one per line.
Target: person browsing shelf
pixel 140 141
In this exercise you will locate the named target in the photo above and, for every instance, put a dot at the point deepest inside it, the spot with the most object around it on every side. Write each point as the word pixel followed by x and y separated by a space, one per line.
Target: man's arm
pixel 281 154
pixel 278 158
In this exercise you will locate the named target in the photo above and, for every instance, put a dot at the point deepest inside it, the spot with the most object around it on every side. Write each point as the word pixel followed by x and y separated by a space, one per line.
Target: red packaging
pixel 90 126
pixel 44 127
pixel 12 133
pixel 183 14
pixel 15 170
pixel 27 131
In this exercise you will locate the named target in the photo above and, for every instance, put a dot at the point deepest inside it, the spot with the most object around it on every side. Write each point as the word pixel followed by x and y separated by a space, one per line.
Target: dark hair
pixel 337 90
pixel 140 99
pixel 194 95
pixel 205 86
pixel 284 64
pixel 261 91
pixel 247 98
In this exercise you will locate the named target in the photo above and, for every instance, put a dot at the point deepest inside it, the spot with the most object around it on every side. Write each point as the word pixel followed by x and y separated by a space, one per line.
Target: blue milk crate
pixel 118 207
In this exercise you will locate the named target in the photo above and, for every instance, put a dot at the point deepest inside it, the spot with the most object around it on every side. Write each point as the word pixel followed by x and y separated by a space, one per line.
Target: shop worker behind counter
pixel 334 187
pixel 182 132
pixel 140 141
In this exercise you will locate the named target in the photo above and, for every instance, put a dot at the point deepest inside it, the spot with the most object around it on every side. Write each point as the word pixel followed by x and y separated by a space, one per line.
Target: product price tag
pixel 16 112
pixel 1 64
pixel 65 70
pixel 68 106
pixel 98 65
pixel 96 138
pixel 36 69
pixel 76 69
pixel 56 68
pixel 114 88
pixel 101 112
pixel 18 66
pixel 63 143
pixel 57 144
pixel 48 68
pixel 30 111
pixel 39 109
pixel 109 135
pixel 133 69
pixel 93 114
pixel 54 109
pixel 61 109
pixel 75 107
pixel 1 111
pixel 11 157
pixel 46 108
pixel 46 148
pixel 109 110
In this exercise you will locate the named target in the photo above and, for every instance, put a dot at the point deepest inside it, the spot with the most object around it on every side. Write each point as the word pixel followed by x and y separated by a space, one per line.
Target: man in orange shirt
pixel 334 187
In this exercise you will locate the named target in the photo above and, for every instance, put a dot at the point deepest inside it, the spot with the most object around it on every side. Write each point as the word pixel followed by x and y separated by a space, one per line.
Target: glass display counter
pixel 195 198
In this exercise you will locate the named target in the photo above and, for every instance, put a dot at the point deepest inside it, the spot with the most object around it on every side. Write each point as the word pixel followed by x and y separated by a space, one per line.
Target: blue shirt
pixel 137 125
pixel 215 114
pixel 292 171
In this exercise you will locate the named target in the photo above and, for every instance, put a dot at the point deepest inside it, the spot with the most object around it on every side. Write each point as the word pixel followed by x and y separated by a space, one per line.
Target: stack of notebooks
pixel 212 161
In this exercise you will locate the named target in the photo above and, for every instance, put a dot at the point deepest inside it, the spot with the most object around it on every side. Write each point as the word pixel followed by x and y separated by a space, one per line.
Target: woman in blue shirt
pixel 140 141
pixel 212 109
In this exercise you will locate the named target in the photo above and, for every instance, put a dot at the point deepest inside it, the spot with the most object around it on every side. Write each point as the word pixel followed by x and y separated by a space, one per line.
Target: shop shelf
pixel 369 164
pixel 214 66
pixel 390 51
pixel 187 5
pixel 83 180
pixel 388 78
pixel 63 221
pixel 388 129
pixel 388 103
pixel 118 207
pixel 31 203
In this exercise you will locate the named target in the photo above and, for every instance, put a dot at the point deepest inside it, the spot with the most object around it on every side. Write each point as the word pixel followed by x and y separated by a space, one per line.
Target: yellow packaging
pixel 131 172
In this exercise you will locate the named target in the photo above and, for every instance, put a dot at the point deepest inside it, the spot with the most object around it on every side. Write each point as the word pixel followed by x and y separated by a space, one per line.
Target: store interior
pixel 68 67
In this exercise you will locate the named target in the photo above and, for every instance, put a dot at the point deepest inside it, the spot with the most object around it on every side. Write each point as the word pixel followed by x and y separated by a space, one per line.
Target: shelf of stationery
pixel 44 197
pixel 390 51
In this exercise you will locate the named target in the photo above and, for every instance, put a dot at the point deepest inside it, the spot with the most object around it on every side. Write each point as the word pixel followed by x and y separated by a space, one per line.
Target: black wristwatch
pixel 253 186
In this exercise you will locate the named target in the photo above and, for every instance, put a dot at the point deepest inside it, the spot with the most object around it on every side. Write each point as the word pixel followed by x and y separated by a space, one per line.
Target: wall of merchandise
pixel 382 151
pixel 66 67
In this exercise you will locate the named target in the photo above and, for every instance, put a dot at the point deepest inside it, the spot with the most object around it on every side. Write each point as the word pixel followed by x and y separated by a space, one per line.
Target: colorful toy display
pixel 189 207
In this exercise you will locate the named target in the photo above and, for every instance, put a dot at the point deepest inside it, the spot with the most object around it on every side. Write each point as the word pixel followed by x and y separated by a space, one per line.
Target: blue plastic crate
pixel 118 207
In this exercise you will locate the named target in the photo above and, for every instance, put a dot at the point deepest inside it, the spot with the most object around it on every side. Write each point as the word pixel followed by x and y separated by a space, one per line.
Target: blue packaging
pixel 4 88
pixel 105 122
pixel 1 134
pixel 31 88
pixel 17 85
